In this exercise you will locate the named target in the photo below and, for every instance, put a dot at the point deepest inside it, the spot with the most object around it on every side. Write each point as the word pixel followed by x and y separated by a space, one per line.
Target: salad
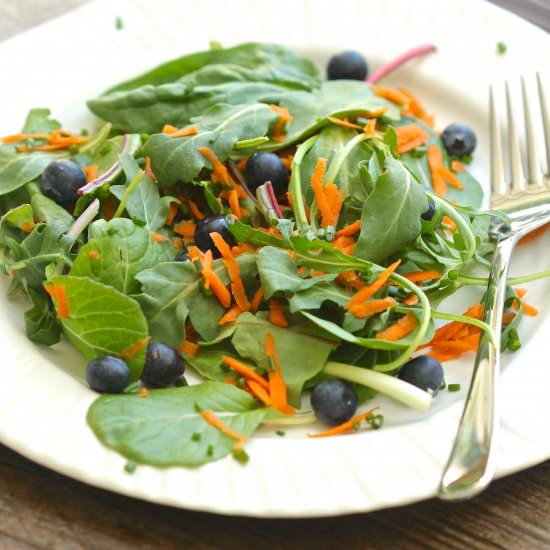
pixel 242 223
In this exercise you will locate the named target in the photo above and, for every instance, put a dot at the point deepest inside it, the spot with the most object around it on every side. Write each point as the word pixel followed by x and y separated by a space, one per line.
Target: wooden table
pixel 41 509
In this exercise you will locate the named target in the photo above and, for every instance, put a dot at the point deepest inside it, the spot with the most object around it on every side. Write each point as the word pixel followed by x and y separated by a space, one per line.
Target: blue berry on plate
pixel 61 180
pixel 348 65
pixel 107 374
pixel 459 139
pixel 262 167
pixel 163 366
pixel 334 401
pixel 424 372
pixel 213 224
pixel 429 214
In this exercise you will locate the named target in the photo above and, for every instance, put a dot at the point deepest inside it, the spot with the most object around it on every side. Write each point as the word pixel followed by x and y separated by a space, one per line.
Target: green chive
pixel 130 466
pixel 210 450
pixel 196 436
pixel 280 433
pixel 119 23
pixel 453 387
pixel 501 48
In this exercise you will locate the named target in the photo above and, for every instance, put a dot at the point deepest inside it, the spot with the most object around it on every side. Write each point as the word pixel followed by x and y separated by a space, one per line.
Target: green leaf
pixel 144 204
pixel 41 324
pixel 20 217
pixel 38 121
pixel 172 291
pixel 208 361
pixel 302 348
pixel 391 214
pixel 117 251
pixel 159 430
pixel 313 298
pixel 219 128
pixel 278 273
pixel 102 321
pixel 47 211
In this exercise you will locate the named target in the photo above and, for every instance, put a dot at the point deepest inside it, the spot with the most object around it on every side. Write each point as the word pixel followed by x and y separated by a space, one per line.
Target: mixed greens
pixel 239 217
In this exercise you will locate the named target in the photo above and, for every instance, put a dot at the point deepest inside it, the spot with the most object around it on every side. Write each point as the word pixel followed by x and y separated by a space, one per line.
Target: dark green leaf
pixel 49 212
pixel 41 324
pixel 38 121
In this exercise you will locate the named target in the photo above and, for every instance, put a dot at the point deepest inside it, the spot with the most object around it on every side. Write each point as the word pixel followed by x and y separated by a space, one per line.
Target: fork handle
pixel 471 465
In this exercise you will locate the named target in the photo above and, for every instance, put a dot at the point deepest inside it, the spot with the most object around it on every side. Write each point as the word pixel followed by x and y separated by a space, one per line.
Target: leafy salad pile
pixel 334 269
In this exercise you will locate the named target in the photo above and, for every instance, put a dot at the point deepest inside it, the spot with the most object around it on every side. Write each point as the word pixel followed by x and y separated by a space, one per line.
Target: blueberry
pixel 182 256
pixel 459 140
pixel 334 401
pixel 348 66
pixel 262 167
pixel 214 224
pixel 163 366
pixel 429 214
pixel 424 372
pixel 61 180
pixel 107 374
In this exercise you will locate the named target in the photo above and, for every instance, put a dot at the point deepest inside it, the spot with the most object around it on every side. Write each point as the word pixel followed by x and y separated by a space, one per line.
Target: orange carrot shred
pixel 370 126
pixel 59 296
pixel 371 289
pixel 234 203
pixel 277 315
pixel 411 300
pixel 416 109
pixel 135 348
pixel 245 371
pixel 259 392
pixel 189 348
pixel 158 237
pixel 345 426
pixel 417 141
pixel 211 418
pixel 284 118
pixel 457 166
pixel 277 386
pixel 350 279
pixel 451 178
pixel 257 300
pixel 230 316
pixel 172 211
pixel 149 170
pixel 195 211
pixel 534 234
pixel 395 96
pixel 508 317
pixel 219 171
pixel 435 163
pixel 186 228
pixel 27 227
pixel 370 307
pixel 400 329
pixel 172 131
pixel 349 230
pixel 344 122
pixel 450 223
pixel 419 276
pixel 90 172
pixel 527 309
pixel 143 392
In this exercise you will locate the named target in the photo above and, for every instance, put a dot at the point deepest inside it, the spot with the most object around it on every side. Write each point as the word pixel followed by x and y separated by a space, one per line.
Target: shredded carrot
pixel 242 248
pixel 527 309
pixel 59 297
pixel 194 253
pixel 371 289
pixel 149 171
pixel 410 300
pixel 417 110
pixel 234 203
pixel 534 234
pixel 143 392
pixel 135 348
pixel 211 280
pixel 172 211
pixel 259 392
pixel 345 244
pixel 395 96
pixel 419 276
pixel 245 371
pixel 158 237
pixel 435 163
pixel 277 386
pixel 457 166
pixel 211 418
pixel 21 137
pixel 407 132
pixel 451 178
pixel 172 131
pixel 90 172
pixel 230 315
pixel 350 279
pixel 335 199
pixel 189 348
pixel 234 271
pixel 219 171
pixel 186 228
pixel 450 223
pixel 344 122
pixel 508 317
pixel 399 330
pixel 370 126
pixel 349 230
pixel 195 211
pixel 57 139
pixel 370 307
pixel 27 227
pixel 284 118
pixel 231 381
pixel 317 185
pixel 257 300
pixel 345 426
pixel 277 315
pixel 405 144
pixel 219 290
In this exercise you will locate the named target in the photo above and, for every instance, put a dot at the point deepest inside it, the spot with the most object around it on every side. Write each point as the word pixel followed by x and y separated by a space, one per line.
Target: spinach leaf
pixel 172 291
pixel 302 348
pixel 391 214
pixel 41 324
pixel 145 203
pixel 279 273
pixel 276 62
pixel 313 298
pixel 208 361
pixel 117 251
pixel 103 321
pixel 47 211
pixel 167 429
pixel 38 121
pixel 177 159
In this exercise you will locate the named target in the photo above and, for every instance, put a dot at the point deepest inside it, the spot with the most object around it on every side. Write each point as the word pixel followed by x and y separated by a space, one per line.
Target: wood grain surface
pixel 42 509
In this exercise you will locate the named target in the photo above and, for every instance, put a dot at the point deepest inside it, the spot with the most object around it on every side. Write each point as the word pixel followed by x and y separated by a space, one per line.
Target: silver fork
pixel 526 201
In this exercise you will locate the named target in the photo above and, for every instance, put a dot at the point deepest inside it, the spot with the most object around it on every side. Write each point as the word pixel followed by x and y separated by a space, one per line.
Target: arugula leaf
pixel 145 203
pixel 302 348
pixel 48 211
pixel 41 324
pixel 167 429
pixel 391 214
pixel 178 159
pixel 275 62
pixel 313 298
pixel 117 251
pixel 172 291
pixel 279 273
pixel 102 321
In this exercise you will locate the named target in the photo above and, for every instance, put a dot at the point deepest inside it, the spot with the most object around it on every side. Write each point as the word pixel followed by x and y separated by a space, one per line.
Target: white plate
pixel 44 400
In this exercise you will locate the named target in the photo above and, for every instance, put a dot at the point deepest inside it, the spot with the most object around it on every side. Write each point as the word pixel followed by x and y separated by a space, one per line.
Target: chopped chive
pixel 105 149
pixel 196 436
pixel 443 386
pixel 197 407
pixel 119 23
pixel 453 387
pixel 501 48
pixel 280 433
pixel 210 450
pixel 240 455
pixel 130 466
pixel 376 421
